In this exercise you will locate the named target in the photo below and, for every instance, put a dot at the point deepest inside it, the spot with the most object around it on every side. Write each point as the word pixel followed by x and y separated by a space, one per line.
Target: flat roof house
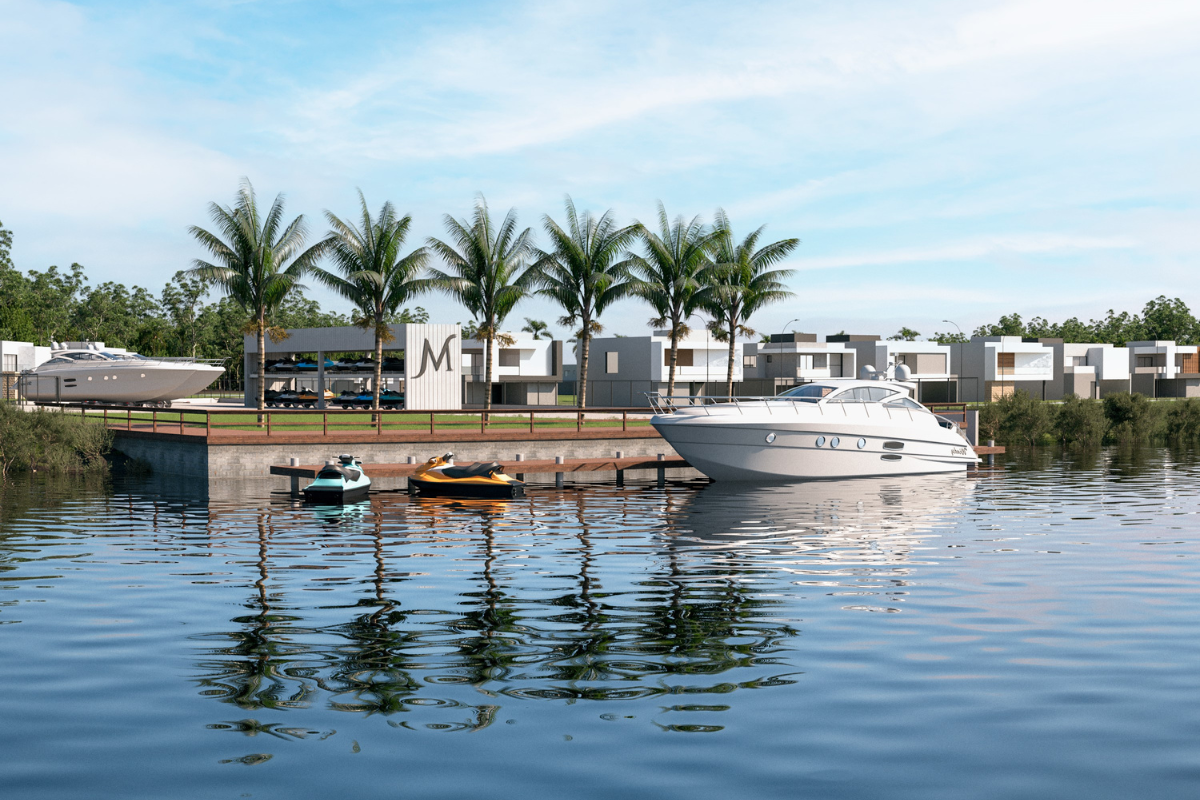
pixel 1164 369
pixel 526 372
pixel 990 367
pixel 928 363
pixel 623 369
pixel 792 358
pixel 1087 370
pixel 16 357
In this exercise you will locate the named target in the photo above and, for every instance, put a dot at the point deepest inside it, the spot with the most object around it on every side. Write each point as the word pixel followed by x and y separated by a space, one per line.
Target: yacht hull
pixel 765 452
pixel 118 382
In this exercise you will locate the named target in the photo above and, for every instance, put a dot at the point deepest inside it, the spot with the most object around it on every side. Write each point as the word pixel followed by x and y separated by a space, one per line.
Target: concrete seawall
pixel 195 457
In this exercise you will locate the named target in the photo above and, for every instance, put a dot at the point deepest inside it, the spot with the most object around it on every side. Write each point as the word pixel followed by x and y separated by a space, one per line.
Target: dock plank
pixel 531 467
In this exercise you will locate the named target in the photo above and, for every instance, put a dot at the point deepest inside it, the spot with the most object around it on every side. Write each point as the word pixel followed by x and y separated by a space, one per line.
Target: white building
pixel 1164 369
pixel 792 358
pixel 990 367
pixel 15 357
pixel 928 363
pixel 526 372
pixel 1088 370
pixel 623 369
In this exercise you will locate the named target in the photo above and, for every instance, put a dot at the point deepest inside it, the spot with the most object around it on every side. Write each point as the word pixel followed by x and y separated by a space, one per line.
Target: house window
pixel 684 360
pixel 610 362
pixel 510 358
pixel 1188 362
pixel 1006 362
pixel 10 363
pixel 749 362
pixel 1145 361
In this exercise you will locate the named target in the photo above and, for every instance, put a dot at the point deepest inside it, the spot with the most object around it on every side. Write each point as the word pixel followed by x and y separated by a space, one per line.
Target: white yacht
pixel 86 372
pixel 841 428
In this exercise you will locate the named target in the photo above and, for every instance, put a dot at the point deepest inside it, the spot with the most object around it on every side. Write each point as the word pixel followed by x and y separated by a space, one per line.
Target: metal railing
pixel 324 422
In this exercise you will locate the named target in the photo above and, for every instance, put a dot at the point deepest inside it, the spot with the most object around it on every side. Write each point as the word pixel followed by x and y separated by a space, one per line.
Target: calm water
pixel 1028 633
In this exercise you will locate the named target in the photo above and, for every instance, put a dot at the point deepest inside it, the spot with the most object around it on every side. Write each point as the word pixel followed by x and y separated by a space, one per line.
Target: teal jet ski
pixel 339 481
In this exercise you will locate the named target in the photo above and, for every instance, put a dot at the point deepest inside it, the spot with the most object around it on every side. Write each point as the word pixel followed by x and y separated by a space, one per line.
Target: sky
pixel 938 160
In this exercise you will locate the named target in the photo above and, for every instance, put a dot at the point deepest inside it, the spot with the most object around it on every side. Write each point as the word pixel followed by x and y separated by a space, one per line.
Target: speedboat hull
pixel 463 490
pixel 334 496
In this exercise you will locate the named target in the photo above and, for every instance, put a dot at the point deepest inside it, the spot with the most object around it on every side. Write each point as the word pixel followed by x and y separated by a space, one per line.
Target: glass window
pixel 10 362
pixel 906 402
pixel 809 392
pixel 510 358
pixel 749 361
pixel 610 362
pixel 820 441
pixel 834 442
pixel 860 394
pixel 879 393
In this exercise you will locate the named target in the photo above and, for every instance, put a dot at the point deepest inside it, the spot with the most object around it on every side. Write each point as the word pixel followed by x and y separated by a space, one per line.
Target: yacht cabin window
pixel 809 392
pixel 906 402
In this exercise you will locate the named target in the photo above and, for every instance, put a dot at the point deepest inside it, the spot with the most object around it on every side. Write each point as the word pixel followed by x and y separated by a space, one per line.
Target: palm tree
pixel 257 264
pixel 583 272
pixel 485 272
pixel 742 284
pixel 374 276
pixel 539 329
pixel 669 277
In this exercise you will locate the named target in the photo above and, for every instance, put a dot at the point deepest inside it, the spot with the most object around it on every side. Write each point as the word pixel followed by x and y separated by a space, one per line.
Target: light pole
pixel 958 381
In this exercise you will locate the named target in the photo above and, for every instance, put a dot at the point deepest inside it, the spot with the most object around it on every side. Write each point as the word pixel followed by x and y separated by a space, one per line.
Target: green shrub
pixel 1080 421
pixel 1183 419
pixel 1133 418
pixel 50 440
pixel 1023 419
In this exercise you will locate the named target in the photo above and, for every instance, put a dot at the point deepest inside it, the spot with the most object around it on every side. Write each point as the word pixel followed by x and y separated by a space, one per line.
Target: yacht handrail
pixel 667 405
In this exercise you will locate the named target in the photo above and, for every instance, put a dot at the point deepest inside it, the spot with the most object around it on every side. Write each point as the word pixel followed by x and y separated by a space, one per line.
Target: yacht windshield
pixel 808 393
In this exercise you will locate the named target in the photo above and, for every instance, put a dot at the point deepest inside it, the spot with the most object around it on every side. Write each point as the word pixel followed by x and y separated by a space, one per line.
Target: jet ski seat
pixel 337 470
pixel 477 470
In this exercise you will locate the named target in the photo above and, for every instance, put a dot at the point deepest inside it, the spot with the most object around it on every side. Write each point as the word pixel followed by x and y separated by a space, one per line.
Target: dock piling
pixel 991 458
pixel 662 472
pixel 295 462
pixel 520 475
pixel 558 476
pixel 620 472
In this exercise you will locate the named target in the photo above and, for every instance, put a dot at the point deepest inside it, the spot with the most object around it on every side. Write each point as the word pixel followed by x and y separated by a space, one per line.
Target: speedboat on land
pixel 88 374
pixel 342 480
pixel 439 477
pixel 841 428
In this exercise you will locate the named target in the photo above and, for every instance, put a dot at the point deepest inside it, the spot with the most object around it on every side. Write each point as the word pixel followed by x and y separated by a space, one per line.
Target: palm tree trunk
pixel 262 362
pixel 674 358
pixel 584 350
pixel 487 397
pixel 732 352
pixel 375 390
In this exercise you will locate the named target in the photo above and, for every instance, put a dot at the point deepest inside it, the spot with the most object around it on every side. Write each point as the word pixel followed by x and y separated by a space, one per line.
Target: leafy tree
pixel 676 266
pixel 410 316
pixel 258 264
pixel 904 335
pixel 1132 417
pixel 1024 418
pixel 6 240
pixel 742 283
pixel 486 272
pixel 374 276
pixel 1183 419
pixel 1008 326
pixel 583 272
pixel 949 338
pixel 182 300
pixel 1080 421
pixel 538 328
pixel 1169 319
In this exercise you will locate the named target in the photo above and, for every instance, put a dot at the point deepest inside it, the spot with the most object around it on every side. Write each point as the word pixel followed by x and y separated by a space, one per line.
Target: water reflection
pixel 539 601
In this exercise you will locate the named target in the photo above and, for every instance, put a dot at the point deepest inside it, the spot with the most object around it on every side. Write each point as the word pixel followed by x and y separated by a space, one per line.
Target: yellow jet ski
pixel 439 477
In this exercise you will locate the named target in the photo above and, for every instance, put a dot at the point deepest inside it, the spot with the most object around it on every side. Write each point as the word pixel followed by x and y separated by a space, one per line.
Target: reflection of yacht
pixel 87 372
pixel 841 514
pixel 832 429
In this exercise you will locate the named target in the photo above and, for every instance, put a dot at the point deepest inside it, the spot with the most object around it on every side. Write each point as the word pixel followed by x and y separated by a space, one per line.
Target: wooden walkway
pixel 532 467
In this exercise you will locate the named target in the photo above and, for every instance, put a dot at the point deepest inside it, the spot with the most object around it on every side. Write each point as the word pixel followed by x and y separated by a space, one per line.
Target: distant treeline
pixel 1020 419
pixel 1162 318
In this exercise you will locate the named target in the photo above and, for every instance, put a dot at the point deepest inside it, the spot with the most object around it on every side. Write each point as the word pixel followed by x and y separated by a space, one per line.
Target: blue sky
pixel 938 159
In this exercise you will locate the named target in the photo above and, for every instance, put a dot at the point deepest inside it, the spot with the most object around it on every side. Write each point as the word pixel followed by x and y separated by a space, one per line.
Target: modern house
pixel 623 369
pixel 990 367
pixel 15 357
pixel 1164 369
pixel 928 363
pixel 526 372
pixel 1087 370
pixel 792 358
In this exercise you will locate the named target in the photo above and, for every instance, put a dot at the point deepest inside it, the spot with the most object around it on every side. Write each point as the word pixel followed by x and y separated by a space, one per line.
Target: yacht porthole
pixel 143 374
pixel 89 377
pixel 820 441
pixel 862 443
pixel 105 377
pixel 834 442
pixel 770 438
